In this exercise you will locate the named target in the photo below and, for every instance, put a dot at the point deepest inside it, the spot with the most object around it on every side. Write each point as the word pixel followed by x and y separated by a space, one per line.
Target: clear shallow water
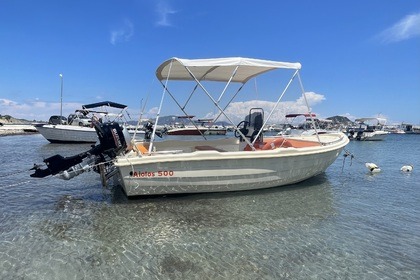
pixel 343 224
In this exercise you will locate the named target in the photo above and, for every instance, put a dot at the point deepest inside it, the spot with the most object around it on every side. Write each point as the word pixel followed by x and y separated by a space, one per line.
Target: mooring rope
pixel 14 173
pixel 347 154
pixel 15 184
pixel 88 169
pixel 353 158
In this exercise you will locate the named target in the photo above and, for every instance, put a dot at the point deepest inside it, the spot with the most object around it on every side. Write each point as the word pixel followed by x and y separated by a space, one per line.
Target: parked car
pixel 56 120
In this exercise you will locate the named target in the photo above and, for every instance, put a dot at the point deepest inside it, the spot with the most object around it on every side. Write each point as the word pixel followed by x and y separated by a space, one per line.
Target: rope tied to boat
pixel 68 174
pixel 345 155
pixel 15 184
pixel 15 173
pixel 372 167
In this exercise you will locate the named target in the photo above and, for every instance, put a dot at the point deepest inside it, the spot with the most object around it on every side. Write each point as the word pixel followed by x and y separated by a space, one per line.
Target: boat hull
pixel 213 171
pixel 373 136
pixel 68 133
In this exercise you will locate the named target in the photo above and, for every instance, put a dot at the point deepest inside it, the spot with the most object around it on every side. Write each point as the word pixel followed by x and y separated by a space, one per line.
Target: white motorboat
pixel 370 129
pixel 410 129
pixel 64 133
pixel 244 162
pixel 79 129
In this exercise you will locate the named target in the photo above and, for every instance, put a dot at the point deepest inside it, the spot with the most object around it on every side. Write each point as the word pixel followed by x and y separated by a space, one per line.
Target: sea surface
pixel 343 224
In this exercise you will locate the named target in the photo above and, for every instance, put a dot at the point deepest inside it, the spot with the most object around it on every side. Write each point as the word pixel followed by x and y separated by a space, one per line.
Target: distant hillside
pixel 6 119
pixel 340 120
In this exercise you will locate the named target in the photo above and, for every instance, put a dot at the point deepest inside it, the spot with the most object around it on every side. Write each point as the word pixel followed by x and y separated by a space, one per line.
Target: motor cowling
pixel 113 138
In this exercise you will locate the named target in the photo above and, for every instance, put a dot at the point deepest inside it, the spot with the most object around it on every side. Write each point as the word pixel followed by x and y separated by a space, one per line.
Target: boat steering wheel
pixel 244 130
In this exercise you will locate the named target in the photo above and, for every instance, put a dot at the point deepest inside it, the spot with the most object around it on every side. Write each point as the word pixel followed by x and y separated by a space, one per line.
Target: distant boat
pixel 369 129
pixel 78 127
pixel 198 127
pixel 307 127
pixel 394 129
pixel 411 129
pixel 64 133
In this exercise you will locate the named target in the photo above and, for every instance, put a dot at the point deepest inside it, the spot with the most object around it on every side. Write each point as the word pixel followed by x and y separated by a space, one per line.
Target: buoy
pixel 372 167
pixel 407 168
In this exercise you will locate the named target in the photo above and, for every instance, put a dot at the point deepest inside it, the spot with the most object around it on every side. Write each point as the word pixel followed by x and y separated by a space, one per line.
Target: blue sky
pixel 360 58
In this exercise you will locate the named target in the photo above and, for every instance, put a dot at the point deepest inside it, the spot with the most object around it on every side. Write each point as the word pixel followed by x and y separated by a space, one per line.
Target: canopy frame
pixel 226 70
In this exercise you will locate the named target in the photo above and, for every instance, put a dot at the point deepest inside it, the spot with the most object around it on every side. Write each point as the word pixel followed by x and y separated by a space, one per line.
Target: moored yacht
pixel 369 129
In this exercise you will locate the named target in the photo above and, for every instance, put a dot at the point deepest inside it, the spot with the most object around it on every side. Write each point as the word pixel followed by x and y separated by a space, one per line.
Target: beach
pixel 17 129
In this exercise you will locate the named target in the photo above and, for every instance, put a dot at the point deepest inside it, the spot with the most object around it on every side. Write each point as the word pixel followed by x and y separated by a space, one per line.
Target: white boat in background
pixel 394 129
pixel 309 125
pixel 411 129
pixel 244 162
pixel 369 129
pixel 80 128
pixel 64 133
pixel 198 127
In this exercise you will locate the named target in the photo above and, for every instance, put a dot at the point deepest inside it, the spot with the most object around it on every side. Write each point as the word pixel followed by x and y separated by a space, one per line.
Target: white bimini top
pixel 233 69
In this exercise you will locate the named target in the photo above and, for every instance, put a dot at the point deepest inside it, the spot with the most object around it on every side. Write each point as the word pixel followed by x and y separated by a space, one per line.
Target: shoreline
pixel 17 129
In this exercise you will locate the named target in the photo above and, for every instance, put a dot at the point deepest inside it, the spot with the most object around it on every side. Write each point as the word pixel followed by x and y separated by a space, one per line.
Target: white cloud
pixel 41 111
pixel 349 116
pixel 164 10
pixel 151 113
pixel 35 110
pixel 406 28
pixel 238 110
pixel 122 33
pixel 7 102
pixel 312 98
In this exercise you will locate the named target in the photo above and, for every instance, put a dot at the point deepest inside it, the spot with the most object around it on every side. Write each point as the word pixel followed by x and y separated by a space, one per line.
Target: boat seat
pixel 257 146
pixel 208 148
pixel 144 150
pixel 288 143
pixel 296 143
pixel 141 148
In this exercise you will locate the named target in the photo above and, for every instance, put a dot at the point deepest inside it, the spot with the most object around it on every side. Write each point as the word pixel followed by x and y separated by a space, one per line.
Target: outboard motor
pixel 359 135
pixel 113 138
pixel 113 141
pixel 148 128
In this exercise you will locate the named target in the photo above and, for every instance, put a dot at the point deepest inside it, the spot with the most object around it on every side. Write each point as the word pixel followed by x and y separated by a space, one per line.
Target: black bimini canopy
pixel 104 103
